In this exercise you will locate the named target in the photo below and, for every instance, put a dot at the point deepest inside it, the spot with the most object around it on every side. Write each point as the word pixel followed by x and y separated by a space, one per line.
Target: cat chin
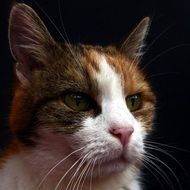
pixel 111 167
pixel 118 165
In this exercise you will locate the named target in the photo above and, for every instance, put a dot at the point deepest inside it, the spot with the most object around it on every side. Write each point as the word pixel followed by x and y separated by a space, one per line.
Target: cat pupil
pixel 77 99
pixel 133 100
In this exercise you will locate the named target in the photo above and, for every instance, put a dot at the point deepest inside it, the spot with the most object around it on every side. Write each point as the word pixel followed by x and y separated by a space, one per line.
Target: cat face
pixel 91 100
pixel 115 136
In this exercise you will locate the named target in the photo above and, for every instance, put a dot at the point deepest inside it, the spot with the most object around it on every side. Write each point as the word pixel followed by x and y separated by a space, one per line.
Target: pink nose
pixel 122 133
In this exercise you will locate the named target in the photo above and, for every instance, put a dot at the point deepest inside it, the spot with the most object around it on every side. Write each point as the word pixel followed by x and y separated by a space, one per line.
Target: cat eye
pixel 133 102
pixel 77 101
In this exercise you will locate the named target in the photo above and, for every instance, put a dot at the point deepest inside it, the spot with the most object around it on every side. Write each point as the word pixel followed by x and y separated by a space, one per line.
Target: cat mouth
pixel 114 161
pixel 121 157
pixel 119 160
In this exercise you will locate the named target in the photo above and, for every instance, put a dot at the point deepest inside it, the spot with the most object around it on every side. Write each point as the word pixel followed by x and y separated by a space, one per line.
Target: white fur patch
pixel 15 175
pixel 114 107
pixel 98 147
pixel 95 135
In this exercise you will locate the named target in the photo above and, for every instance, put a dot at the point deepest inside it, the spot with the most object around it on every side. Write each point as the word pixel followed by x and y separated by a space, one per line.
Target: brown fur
pixel 13 148
pixel 133 78
pixel 60 71
pixel 73 76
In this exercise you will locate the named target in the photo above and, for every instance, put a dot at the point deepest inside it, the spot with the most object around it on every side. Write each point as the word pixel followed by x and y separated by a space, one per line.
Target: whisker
pixel 169 169
pixel 146 164
pixel 92 173
pixel 62 24
pixel 56 165
pixel 54 25
pixel 158 37
pixel 51 21
pixel 79 167
pixel 167 146
pixel 152 147
pixel 72 179
pixel 77 183
pixel 159 171
pixel 163 74
pixel 85 176
pixel 164 52
pixel 99 165
pixel 74 175
pixel 139 58
pixel 62 178
pixel 64 30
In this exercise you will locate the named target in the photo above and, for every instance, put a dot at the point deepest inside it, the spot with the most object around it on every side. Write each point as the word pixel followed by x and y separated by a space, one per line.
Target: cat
pixel 80 113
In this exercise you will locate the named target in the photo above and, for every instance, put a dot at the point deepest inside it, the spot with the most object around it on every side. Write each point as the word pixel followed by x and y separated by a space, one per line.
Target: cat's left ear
pixel 132 46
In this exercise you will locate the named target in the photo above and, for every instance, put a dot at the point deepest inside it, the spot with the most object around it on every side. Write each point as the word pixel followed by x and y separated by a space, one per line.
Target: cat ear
pixel 132 46
pixel 29 40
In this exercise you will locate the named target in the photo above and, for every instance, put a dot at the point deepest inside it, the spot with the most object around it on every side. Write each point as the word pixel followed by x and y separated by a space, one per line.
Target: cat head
pixel 79 97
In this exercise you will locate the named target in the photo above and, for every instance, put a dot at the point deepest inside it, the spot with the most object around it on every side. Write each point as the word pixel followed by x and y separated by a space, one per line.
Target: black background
pixel 167 61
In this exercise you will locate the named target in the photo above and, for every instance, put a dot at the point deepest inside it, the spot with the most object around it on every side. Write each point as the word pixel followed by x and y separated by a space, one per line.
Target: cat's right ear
pixel 29 40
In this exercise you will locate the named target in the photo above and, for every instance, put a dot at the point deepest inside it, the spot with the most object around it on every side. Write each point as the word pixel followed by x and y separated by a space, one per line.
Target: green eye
pixel 133 102
pixel 77 101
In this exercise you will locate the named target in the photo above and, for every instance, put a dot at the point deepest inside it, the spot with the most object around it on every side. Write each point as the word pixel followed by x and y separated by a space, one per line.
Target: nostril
pixel 118 134
pixel 122 133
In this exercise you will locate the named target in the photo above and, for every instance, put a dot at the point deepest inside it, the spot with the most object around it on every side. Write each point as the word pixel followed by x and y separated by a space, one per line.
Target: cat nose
pixel 122 133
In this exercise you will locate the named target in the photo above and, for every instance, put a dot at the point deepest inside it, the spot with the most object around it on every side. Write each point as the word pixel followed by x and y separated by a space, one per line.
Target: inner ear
pixel 132 46
pixel 29 39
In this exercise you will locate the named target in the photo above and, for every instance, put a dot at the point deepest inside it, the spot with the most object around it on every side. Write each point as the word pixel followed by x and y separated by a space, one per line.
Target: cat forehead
pixel 105 73
pixel 87 72
pixel 111 70
pixel 96 57
pixel 109 81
